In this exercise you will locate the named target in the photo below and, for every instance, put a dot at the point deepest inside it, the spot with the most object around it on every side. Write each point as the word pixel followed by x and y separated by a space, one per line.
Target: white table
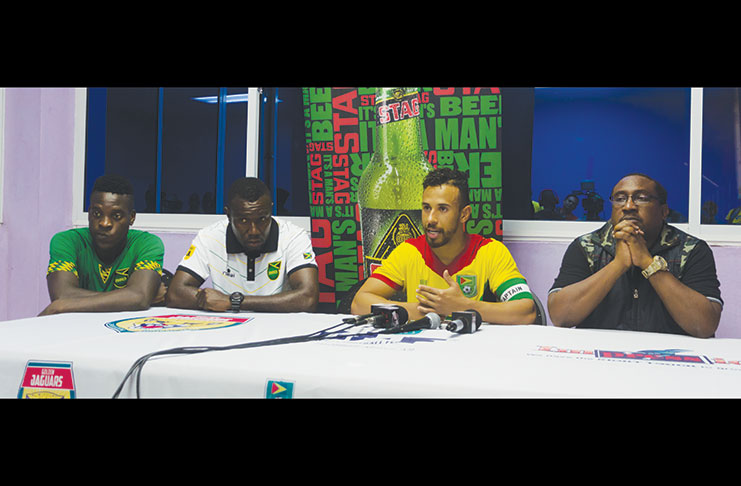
pixel 97 350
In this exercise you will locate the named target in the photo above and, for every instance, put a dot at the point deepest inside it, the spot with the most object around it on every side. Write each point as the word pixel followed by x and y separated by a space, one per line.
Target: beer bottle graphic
pixel 390 188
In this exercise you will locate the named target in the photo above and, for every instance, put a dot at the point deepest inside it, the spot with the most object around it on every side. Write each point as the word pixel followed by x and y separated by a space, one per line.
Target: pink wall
pixel 39 126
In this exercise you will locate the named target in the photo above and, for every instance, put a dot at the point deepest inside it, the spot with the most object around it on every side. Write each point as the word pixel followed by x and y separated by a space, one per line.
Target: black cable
pixel 316 335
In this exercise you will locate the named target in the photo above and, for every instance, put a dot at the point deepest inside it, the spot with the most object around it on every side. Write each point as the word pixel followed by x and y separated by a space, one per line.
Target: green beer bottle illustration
pixel 390 188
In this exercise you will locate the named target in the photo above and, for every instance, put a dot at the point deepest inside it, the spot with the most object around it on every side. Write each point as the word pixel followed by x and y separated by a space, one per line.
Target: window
pixel 721 156
pixel 585 139
pixel 574 141
pixel 180 147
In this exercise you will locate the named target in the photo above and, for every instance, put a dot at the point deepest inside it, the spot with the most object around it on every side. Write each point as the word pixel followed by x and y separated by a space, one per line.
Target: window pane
pixel 122 138
pixel 178 141
pixel 283 164
pixel 235 144
pixel 586 139
pixel 189 142
pixel 721 156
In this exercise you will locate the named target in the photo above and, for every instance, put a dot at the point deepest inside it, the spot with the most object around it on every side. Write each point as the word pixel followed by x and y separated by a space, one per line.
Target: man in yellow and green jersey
pixel 446 269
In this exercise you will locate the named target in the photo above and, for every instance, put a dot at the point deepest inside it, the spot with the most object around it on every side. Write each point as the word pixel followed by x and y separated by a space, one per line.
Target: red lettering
pixel 321 233
pixel 344 102
pixel 341 184
pixel 338 121
pixel 443 91
pixel 322 262
pixel 367 100
pixel 351 138
pixel 383 114
pixel 340 161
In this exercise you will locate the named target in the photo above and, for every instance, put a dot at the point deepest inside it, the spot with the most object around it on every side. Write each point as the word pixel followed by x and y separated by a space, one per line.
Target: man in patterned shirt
pixel 255 261
pixel 446 269
pixel 106 267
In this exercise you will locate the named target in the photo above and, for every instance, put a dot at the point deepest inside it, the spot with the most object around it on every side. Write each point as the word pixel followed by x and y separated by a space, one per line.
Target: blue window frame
pixel 180 147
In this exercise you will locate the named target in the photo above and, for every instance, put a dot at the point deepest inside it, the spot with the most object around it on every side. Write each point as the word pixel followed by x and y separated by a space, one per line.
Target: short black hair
pixel 113 183
pixel 444 175
pixel 248 188
pixel 660 191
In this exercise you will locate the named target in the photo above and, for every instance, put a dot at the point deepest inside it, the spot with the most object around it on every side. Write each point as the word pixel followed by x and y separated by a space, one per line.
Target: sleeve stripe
pixel 148 265
pixel 386 280
pixel 61 266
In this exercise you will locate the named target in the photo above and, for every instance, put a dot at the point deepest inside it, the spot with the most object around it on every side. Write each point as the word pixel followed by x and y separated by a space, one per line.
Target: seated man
pixel 105 267
pixel 255 261
pixel 637 272
pixel 446 269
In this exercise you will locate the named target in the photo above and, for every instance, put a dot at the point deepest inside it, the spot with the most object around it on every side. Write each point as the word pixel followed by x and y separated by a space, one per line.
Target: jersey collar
pixel 271 243
pixel 474 242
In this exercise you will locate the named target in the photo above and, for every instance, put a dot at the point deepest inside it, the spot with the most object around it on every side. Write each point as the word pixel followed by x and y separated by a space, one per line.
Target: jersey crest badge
pixel 274 270
pixel 467 283
pixel 121 278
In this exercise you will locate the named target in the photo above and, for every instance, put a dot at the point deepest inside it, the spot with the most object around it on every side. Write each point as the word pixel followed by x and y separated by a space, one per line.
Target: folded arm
pixel 67 296
pixel 185 292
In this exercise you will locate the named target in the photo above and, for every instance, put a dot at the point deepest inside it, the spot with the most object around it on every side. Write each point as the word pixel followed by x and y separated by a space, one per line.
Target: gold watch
pixel 657 265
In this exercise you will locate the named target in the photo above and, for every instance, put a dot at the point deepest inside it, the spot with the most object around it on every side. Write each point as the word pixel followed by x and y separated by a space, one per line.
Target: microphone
pixel 430 321
pixel 378 314
pixel 357 319
pixel 464 322
pixel 387 316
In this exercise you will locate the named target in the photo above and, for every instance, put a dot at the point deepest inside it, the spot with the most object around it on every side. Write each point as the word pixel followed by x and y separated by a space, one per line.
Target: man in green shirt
pixel 105 267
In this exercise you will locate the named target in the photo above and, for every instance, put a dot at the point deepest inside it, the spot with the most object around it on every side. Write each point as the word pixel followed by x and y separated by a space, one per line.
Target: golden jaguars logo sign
pixel 171 323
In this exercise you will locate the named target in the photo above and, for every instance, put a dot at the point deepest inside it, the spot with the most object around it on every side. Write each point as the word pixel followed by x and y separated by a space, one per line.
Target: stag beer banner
pixel 461 129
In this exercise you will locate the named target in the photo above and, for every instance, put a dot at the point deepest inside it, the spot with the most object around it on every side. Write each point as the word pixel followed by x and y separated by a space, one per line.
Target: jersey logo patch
pixel 467 283
pixel 121 278
pixel 274 270
pixel 190 252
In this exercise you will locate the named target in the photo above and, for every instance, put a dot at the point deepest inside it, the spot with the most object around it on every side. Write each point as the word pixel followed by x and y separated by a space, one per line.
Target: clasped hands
pixel 441 301
pixel 631 249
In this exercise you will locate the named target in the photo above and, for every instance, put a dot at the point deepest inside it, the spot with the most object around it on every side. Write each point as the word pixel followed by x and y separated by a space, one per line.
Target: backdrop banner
pixel 460 129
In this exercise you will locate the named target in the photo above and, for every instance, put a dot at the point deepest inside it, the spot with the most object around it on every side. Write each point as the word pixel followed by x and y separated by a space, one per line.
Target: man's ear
pixel 466 213
pixel 665 211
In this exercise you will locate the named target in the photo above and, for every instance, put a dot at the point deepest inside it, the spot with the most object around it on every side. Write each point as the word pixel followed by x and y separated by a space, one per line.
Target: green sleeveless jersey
pixel 72 251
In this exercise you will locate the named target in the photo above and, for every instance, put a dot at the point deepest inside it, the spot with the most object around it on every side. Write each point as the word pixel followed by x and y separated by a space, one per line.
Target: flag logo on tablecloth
pixel 279 389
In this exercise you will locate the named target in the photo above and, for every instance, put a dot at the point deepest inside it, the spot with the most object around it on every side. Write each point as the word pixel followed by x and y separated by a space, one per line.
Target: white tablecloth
pixel 94 352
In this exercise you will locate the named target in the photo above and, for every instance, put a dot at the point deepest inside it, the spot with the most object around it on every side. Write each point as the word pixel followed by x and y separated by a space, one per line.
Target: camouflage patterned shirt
pixel 633 304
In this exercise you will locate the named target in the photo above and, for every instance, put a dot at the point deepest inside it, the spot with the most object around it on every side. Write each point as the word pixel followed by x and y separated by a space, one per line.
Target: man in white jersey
pixel 255 261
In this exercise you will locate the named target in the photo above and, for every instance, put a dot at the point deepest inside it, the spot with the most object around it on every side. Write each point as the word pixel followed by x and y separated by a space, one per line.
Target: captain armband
pixel 514 289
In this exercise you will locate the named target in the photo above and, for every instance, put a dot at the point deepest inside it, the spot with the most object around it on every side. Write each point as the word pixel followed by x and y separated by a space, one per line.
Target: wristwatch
pixel 236 298
pixel 657 265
